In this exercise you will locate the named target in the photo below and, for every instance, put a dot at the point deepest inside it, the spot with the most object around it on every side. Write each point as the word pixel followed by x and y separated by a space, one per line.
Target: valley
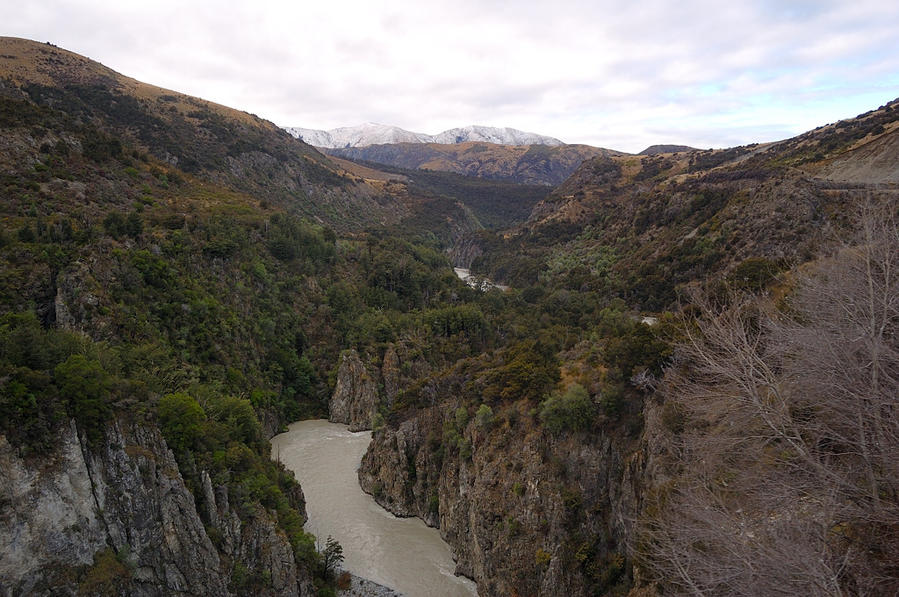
pixel 183 286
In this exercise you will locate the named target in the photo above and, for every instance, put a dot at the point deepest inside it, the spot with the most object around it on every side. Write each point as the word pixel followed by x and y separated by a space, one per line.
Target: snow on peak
pixel 372 133
pixel 489 134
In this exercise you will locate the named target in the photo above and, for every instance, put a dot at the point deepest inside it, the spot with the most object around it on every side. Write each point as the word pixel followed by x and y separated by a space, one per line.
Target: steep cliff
pixel 115 516
pixel 363 390
pixel 355 397
pixel 526 513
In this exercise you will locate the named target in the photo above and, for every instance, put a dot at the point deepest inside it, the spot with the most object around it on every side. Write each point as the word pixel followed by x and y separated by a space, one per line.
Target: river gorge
pixel 401 553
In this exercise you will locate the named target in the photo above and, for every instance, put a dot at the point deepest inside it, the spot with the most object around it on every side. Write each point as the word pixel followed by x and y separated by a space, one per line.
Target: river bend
pixel 401 553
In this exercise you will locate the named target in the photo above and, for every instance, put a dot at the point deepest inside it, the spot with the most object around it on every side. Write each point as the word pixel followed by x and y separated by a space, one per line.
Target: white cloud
pixel 695 72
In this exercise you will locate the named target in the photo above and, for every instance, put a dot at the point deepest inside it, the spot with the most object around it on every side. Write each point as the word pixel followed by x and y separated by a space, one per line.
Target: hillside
pixel 662 445
pixel 644 227
pixel 158 325
pixel 216 143
pixel 494 204
pixel 526 164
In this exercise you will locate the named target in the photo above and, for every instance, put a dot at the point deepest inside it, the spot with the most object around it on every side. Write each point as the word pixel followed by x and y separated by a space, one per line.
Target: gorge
pixel 400 553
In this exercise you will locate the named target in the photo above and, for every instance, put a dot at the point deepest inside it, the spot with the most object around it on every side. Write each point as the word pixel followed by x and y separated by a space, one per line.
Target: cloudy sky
pixel 615 74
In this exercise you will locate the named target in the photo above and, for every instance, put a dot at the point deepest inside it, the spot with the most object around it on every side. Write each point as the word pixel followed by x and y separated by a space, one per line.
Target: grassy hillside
pixel 215 143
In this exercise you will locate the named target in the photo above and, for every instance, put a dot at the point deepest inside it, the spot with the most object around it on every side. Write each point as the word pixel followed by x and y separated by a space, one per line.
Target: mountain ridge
pixel 526 164
pixel 210 141
pixel 371 133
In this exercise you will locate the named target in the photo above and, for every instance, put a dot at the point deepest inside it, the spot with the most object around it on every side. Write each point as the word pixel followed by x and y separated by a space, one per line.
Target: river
pixel 401 553
pixel 475 281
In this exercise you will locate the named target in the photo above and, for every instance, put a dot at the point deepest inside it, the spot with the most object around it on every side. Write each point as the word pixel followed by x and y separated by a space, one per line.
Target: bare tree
pixel 789 478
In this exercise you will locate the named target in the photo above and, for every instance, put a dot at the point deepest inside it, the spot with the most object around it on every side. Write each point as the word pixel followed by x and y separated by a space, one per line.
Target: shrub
pixel 344 581
pixel 572 410
pixel 465 448
pixel 88 389
pixel 107 576
pixel 754 274
pixel 484 416
pixel 461 418
pixel 181 420
pixel 434 504
pixel 238 417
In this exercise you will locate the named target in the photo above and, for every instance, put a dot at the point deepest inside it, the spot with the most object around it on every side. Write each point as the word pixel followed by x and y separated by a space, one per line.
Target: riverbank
pixel 362 587
pixel 476 281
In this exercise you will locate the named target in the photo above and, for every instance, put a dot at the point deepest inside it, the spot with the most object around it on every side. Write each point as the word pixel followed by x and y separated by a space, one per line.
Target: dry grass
pixel 27 61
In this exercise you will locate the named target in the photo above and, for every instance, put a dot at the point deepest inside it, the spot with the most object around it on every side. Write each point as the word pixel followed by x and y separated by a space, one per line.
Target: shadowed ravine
pixel 401 553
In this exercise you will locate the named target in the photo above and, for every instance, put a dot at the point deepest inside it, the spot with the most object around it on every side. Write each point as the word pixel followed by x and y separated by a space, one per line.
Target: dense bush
pixel 181 419
pixel 572 410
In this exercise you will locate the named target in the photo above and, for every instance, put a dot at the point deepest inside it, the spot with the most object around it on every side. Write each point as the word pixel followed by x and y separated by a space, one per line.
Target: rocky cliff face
pixel 118 517
pixel 465 251
pixel 390 373
pixel 361 390
pixel 525 513
pixel 355 397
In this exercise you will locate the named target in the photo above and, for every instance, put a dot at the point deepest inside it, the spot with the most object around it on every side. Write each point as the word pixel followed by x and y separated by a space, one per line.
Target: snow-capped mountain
pixel 371 133
pixel 490 134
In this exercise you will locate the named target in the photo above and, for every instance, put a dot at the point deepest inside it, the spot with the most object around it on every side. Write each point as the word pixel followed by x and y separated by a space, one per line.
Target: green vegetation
pixel 332 556
pixel 177 301
pixel 572 410
pixel 108 575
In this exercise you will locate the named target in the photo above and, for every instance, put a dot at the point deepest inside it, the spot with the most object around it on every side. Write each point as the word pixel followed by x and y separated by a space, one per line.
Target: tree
pixel 332 556
pixel 87 388
pixel 789 461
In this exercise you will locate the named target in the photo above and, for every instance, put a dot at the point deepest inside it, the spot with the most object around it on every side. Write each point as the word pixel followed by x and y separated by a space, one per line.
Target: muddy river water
pixel 401 553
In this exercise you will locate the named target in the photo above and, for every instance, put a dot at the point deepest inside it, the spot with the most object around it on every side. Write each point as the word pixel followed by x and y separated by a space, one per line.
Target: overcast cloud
pixel 696 72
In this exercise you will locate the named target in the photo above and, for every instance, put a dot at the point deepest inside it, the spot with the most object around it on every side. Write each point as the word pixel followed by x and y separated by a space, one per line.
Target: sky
pixel 621 75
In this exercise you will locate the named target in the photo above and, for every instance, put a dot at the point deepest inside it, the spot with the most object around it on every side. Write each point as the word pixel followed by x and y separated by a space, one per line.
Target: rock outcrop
pixel 355 398
pixel 390 373
pixel 525 513
pixel 465 251
pixel 362 587
pixel 124 497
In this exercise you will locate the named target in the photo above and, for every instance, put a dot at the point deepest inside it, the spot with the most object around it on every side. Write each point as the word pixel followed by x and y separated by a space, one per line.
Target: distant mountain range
pixel 372 133
pixel 528 164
